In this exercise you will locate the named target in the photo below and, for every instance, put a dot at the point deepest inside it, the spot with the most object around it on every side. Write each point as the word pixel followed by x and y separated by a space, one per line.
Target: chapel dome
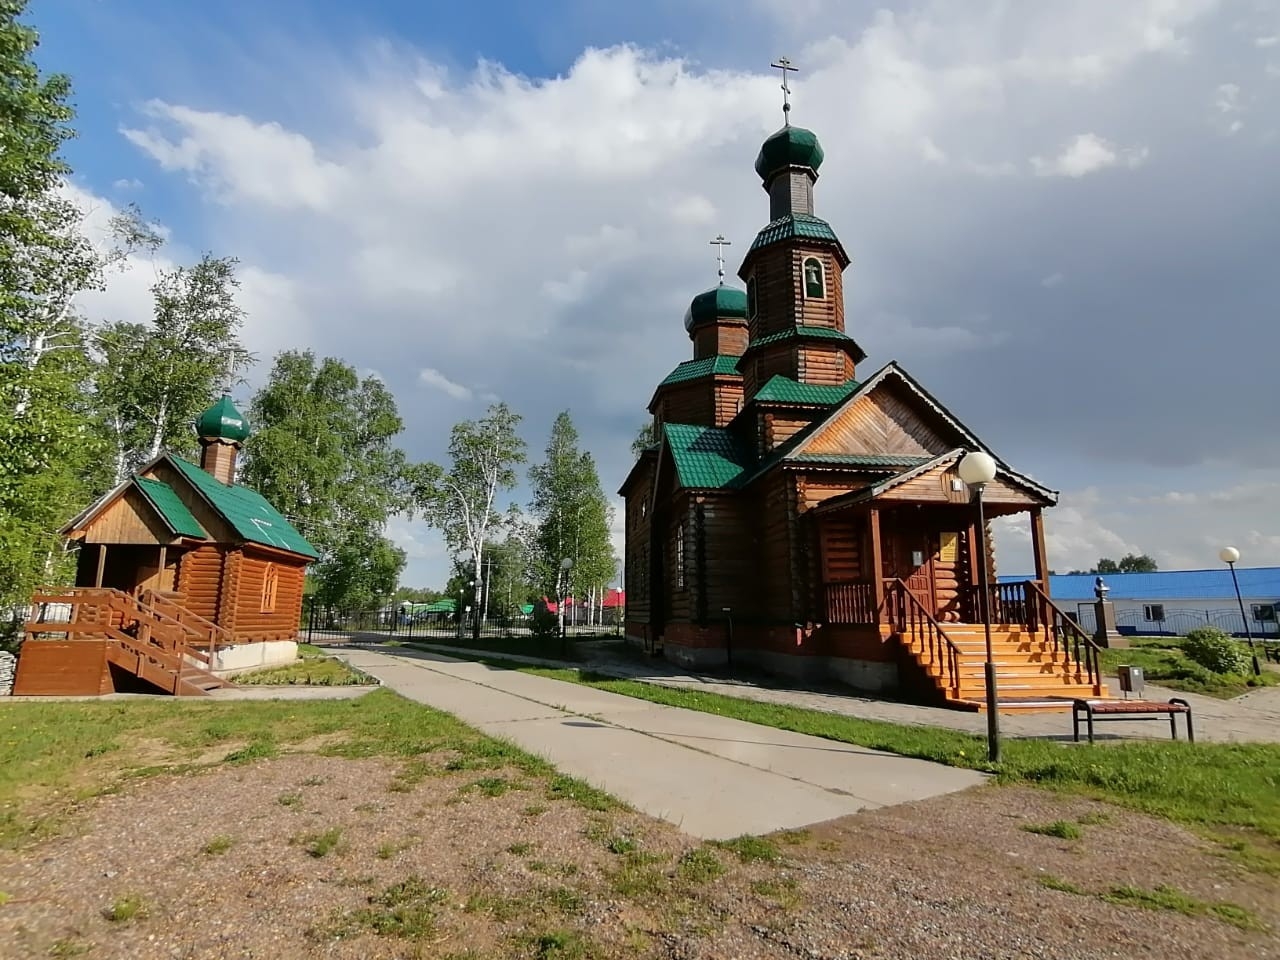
pixel 789 147
pixel 718 303
pixel 223 421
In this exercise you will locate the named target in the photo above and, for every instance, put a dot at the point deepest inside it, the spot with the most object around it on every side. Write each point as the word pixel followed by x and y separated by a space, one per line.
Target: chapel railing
pixel 850 603
pixel 910 618
pixel 1069 644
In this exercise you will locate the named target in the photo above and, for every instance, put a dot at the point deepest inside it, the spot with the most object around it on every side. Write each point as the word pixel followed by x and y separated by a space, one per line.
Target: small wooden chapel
pixel 182 574
pixel 802 518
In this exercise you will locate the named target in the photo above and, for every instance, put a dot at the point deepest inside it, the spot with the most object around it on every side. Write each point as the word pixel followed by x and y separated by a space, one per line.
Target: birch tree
pixel 461 502
pixel 157 377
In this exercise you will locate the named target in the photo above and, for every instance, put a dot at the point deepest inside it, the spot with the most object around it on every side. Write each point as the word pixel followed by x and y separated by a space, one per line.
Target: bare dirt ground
pixel 307 856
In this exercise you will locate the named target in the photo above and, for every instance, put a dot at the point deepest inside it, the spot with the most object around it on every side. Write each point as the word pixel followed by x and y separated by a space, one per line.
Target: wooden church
pixel 182 575
pixel 802 518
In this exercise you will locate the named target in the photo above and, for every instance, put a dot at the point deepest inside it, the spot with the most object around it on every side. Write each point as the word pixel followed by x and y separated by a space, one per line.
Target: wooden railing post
pixel 877 558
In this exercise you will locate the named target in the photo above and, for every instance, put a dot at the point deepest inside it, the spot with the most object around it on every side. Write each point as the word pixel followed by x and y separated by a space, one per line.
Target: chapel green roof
pixel 247 511
pixel 223 421
pixel 170 507
pixel 803 225
pixel 782 389
pixel 789 147
pixel 716 304
pixel 705 457
pixel 804 332
pixel 719 365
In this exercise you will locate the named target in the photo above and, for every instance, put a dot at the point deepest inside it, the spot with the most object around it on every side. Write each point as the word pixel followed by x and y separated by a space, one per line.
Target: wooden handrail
pixel 906 612
pixel 206 631
pixel 1064 635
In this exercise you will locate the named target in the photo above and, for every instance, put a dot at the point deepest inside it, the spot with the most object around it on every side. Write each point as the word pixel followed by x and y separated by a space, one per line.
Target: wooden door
pixel 910 557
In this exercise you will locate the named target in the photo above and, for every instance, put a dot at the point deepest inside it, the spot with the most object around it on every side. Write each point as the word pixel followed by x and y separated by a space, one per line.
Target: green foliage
pixel 126 908
pixel 699 866
pixel 1216 650
pixel 461 502
pixel 645 438
pixel 571 519
pixel 1062 829
pixel 156 379
pixel 323 454
pixel 1129 563
pixel 752 849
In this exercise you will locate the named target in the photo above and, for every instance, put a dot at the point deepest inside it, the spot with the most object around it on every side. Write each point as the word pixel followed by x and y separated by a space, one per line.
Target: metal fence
pixel 393 622
pixel 1178 623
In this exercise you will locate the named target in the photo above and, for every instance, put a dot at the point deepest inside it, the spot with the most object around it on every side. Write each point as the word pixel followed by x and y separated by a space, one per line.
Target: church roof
pixel 804 226
pixel 705 457
pixel 805 332
pixel 782 389
pixel 789 147
pixel 170 507
pixel 720 365
pixel 247 511
pixel 718 303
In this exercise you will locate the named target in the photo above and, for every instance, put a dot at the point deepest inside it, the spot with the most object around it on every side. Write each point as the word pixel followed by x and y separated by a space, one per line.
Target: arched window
pixel 815 286
pixel 751 297
pixel 270 583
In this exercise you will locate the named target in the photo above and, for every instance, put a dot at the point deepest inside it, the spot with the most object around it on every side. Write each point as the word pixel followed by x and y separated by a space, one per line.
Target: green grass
pixel 558 945
pixel 218 845
pixel 321 844
pixel 1163 662
pixel 125 909
pixel 407 910
pixel 44 771
pixel 1057 883
pixel 1213 784
pixel 312 670
pixel 1164 897
pixel 1061 829
pixel 751 849
pixel 68 947
pixel 699 866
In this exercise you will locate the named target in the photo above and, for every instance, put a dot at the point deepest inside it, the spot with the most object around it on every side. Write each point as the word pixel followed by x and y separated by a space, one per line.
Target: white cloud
pixel 127 183
pixel 1266 42
pixel 1052 280
pixel 430 377
pixel 1088 153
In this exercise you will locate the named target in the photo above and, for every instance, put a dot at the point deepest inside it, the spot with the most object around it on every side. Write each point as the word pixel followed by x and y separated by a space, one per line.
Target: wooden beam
pixel 975 580
pixel 1038 548
pixel 877 558
pixel 102 563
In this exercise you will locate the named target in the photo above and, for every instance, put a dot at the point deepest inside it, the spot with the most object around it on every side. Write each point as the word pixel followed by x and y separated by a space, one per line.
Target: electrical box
pixel 1131 680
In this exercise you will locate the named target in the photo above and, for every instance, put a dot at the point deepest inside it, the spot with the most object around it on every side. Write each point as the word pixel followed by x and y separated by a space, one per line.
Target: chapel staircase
pixel 80 633
pixel 1042 663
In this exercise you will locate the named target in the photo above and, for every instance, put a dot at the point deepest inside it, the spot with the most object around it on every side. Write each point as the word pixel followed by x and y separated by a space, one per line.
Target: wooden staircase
pixel 1041 664
pixel 80 631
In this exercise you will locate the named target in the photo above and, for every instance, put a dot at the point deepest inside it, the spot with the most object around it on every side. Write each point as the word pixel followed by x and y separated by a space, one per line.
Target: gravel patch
pixel 307 856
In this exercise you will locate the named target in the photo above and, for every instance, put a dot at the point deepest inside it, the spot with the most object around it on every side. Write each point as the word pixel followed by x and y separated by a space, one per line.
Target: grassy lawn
pixel 1218 785
pixel 1163 662
pixel 53 755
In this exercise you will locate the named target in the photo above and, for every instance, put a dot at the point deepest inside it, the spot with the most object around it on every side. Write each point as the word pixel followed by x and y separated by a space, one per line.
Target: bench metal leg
pixel 1089 714
pixel 1173 725
pixel 1191 730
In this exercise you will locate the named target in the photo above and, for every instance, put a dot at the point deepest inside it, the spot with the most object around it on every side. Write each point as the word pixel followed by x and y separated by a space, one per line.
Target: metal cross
pixel 721 242
pixel 785 66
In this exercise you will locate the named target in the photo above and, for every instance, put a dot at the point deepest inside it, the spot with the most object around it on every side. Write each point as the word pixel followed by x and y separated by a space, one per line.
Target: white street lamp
pixel 1230 556
pixel 977 469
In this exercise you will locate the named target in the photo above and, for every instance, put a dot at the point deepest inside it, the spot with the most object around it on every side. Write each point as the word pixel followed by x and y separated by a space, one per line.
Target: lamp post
pixel 977 469
pixel 561 575
pixel 1229 556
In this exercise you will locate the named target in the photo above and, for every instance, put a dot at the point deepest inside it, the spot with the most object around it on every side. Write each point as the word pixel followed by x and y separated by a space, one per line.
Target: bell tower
pixel 794 271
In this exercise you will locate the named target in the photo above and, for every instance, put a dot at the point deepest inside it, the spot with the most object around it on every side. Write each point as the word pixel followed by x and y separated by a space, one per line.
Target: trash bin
pixel 1131 680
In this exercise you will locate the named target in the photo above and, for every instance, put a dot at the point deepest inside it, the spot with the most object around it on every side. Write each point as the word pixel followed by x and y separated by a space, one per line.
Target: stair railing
pixel 909 617
pixel 205 632
pixel 1064 636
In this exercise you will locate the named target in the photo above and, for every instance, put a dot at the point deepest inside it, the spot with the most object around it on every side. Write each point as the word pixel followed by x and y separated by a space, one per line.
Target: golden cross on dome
pixel 721 243
pixel 783 64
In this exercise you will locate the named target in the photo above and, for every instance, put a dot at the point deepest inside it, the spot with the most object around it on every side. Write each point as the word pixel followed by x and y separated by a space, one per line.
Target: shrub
pixel 1215 650
pixel 543 624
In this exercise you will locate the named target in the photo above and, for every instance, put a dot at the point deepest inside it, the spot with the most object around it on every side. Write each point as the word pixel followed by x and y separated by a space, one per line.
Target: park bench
pixel 1099 710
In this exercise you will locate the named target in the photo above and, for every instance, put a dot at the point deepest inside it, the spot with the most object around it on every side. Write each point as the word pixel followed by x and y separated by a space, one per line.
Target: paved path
pixel 712 776
pixel 1252 717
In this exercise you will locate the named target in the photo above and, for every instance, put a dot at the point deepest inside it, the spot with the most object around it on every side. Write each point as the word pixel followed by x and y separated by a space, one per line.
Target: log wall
pixel 252 623
pixel 200 580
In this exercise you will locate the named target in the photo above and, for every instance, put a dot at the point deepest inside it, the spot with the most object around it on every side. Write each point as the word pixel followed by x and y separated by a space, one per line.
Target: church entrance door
pixel 909 554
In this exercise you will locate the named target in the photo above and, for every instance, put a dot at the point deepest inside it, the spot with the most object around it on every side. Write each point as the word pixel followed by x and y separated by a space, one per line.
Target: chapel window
pixel 815 287
pixel 270 584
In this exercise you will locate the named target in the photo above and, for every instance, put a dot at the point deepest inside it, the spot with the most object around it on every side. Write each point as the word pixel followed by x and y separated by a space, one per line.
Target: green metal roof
pixel 782 389
pixel 802 332
pixel 247 511
pixel 705 457
pixel 859 459
pixel 223 421
pixel 170 507
pixel 789 147
pixel 716 304
pixel 719 365
pixel 803 225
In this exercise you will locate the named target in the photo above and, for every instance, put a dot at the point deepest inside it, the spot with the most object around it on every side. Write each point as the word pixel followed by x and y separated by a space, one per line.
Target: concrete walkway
pixel 713 777
pixel 1254 717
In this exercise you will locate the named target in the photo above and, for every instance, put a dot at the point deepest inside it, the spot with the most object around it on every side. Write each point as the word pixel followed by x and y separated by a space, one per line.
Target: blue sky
pixel 1058 216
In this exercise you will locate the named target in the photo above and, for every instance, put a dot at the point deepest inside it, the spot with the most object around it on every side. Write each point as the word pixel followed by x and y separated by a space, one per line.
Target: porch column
pixel 1038 548
pixel 102 563
pixel 877 559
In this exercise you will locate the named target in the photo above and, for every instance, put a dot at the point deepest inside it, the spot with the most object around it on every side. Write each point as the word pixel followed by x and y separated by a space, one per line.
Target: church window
pixel 751 297
pixel 815 287
pixel 270 584
pixel 680 557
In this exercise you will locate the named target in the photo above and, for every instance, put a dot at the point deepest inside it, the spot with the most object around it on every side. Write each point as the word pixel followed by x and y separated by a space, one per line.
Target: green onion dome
pixel 718 303
pixel 223 421
pixel 789 147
